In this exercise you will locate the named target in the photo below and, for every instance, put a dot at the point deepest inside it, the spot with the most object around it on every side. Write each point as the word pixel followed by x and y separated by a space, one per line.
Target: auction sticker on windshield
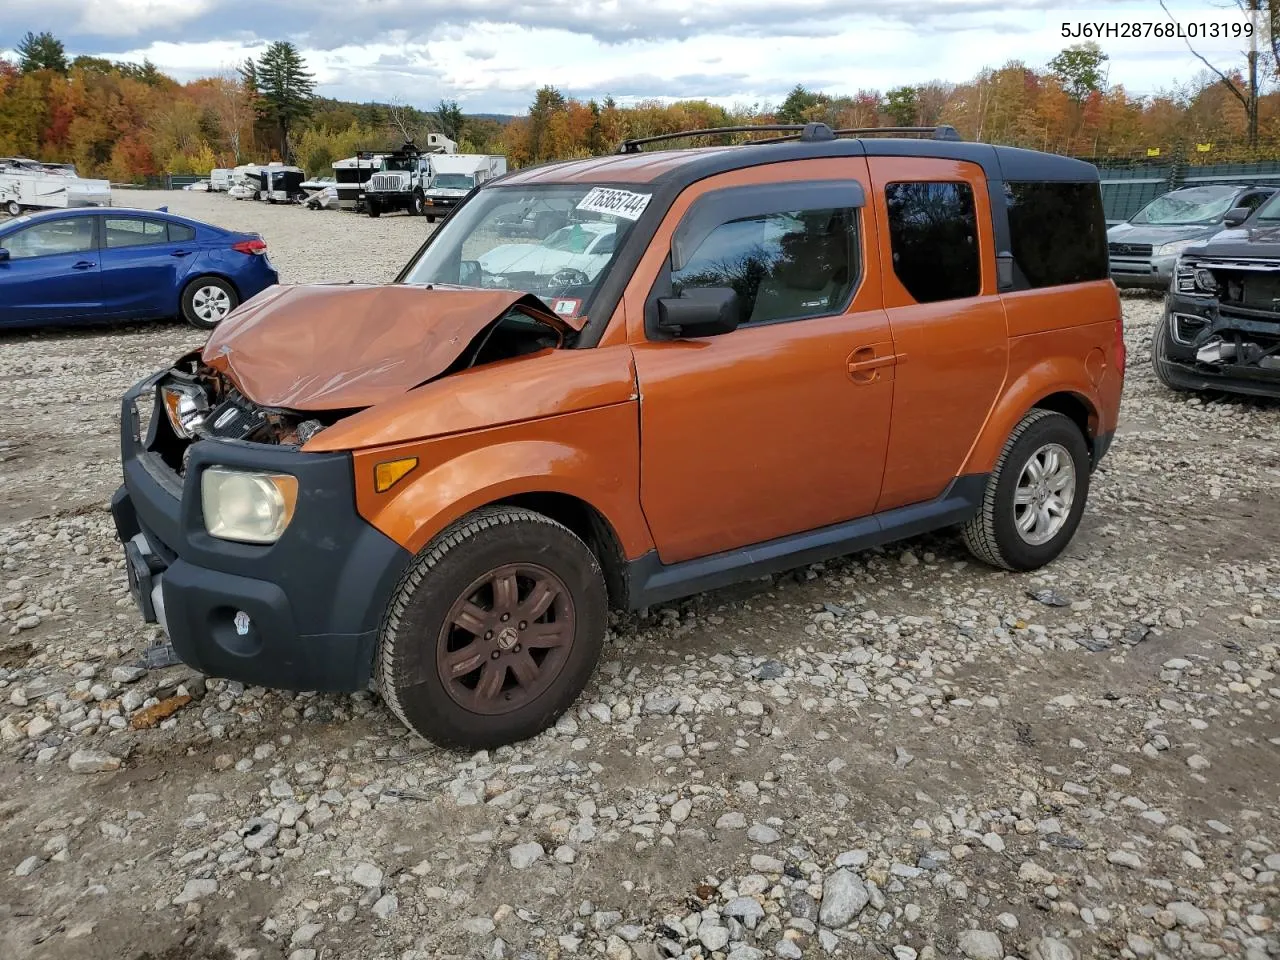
pixel 620 203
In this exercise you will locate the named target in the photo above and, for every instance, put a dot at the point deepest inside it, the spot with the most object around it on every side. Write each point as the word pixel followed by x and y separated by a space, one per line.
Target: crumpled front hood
pixel 1156 234
pixel 343 347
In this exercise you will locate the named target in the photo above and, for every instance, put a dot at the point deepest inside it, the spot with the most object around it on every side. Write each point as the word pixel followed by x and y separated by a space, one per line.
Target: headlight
pixel 1177 246
pixel 246 506
pixel 186 408
pixel 1206 281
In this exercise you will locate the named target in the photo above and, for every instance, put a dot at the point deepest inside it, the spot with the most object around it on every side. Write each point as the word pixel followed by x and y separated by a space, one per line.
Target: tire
pixel 1160 351
pixel 431 218
pixel 206 301
pixel 993 536
pixel 419 204
pixel 374 209
pixel 13 208
pixel 463 566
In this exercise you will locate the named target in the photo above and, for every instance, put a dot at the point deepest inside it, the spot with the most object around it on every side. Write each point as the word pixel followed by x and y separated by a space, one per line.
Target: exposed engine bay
pixel 1228 312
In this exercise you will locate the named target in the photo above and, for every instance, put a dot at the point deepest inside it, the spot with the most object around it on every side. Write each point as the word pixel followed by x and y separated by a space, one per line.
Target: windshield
pixel 1193 205
pixel 453 181
pixel 555 241
pixel 404 164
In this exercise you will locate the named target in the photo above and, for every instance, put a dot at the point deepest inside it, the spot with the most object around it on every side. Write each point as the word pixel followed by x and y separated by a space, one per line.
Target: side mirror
pixel 470 273
pixel 4 254
pixel 1236 216
pixel 700 312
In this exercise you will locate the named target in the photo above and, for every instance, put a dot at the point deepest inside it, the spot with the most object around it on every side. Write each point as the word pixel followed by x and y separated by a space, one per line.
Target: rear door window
pixel 933 233
pixel 1058 233
pixel 134 232
pixel 783 266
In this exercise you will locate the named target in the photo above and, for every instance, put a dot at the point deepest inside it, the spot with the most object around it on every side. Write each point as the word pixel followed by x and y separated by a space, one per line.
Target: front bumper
pixel 1149 273
pixel 1191 322
pixel 441 203
pixel 314 599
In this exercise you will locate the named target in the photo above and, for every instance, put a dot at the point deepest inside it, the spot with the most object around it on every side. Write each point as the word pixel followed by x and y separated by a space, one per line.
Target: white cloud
pixel 492 54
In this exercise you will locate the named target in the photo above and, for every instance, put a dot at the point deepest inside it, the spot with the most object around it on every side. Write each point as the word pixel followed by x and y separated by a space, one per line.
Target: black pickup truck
pixel 1221 323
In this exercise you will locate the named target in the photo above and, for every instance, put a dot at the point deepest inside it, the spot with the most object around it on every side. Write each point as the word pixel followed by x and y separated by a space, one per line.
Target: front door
pixel 780 426
pixel 51 273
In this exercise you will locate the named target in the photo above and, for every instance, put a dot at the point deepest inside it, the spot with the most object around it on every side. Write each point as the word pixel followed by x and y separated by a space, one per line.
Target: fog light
pixel 242 622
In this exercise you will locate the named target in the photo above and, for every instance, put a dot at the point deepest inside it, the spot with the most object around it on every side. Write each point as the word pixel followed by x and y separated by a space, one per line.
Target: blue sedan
pixel 108 263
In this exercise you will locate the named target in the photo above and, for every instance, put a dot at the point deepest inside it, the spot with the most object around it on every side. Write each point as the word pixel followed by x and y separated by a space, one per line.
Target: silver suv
pixel 1144 249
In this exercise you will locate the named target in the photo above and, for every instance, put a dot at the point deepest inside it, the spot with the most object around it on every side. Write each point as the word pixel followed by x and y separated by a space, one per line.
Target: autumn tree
pixel 1244 87
pixel 232 105
pixel 41 51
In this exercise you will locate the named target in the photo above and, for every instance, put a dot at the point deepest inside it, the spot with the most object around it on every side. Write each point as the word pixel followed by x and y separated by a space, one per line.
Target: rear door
pixel 143 262
pixel 937 250
pixel 51 273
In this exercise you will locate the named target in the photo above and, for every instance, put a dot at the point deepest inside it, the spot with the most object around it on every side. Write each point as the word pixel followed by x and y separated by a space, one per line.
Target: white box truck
pixel 456 175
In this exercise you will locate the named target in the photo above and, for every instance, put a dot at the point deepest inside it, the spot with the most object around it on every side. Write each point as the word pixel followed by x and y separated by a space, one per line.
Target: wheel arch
pixel 1051 385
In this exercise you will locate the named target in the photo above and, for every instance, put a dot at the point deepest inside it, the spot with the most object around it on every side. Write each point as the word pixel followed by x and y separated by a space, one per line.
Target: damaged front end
pixel 1222 322
pixel 200 403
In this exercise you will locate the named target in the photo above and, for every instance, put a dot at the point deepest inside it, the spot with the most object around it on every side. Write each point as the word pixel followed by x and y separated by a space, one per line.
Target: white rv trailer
pixel 352 174
pixel 31 184
pixel 220 179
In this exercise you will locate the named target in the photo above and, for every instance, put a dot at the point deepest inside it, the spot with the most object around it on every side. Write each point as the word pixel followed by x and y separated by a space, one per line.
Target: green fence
pixel 1127 189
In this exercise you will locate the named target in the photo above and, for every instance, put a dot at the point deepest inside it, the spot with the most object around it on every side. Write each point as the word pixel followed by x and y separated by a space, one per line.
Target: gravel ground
pixel 900 754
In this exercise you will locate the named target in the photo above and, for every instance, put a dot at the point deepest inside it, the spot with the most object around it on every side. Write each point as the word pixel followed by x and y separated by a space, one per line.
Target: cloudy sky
pixel 491 54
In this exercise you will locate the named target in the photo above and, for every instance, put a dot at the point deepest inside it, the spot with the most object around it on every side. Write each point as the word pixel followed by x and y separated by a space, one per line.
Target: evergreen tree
pixel 285 89
pixel 41 51
pixel 449 119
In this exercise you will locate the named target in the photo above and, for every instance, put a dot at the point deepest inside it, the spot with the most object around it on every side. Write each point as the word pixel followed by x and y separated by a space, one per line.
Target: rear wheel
pixel 431 218
pixel 13 208
pixel 206 302
pixel 493 631
pixel 1035 496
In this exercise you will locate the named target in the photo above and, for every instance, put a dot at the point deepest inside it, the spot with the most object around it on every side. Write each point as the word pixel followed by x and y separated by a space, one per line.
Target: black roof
pixel 998 163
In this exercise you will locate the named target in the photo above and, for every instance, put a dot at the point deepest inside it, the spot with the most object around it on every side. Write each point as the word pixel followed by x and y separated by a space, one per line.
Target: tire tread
pixel 420 567
pixel 980 532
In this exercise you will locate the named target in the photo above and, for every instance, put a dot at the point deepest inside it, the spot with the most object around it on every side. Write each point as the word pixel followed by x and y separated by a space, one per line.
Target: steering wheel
pixel 569 277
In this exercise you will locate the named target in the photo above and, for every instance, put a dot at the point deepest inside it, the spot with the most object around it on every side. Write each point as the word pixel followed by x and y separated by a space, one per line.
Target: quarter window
pixel 783 266
pixel 933 233
pixel 181 233
pixel 134 232
pixel 72 235
pixel 1058 232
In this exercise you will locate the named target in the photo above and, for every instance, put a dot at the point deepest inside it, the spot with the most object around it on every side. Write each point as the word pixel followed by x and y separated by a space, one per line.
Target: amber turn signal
pixel 387 474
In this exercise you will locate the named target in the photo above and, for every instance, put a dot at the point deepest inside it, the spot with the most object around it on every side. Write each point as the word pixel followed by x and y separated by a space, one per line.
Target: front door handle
pixel 83 265
pixel 179 253
pixel 865 363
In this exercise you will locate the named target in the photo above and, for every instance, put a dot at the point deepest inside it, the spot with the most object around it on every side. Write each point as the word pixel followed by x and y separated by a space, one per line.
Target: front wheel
pixel 494 630
pixel 374 209
pixel 1035 496
pixel 1160 365
pixel 207 301
pixel 419 204
pixel 13 208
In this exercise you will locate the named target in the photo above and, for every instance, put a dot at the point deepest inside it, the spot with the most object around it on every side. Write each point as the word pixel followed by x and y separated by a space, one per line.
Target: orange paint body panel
pixel 592 455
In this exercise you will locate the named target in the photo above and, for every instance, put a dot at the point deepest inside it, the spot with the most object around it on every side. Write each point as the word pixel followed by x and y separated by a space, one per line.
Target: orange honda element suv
pixel 615 382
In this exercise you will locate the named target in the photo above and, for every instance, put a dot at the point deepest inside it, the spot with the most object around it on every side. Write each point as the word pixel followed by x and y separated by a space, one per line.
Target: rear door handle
pixel 179 253
pixel 865 364
pixel 83 265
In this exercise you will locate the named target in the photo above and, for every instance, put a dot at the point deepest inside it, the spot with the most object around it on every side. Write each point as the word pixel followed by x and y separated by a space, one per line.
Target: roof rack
pixel 804 132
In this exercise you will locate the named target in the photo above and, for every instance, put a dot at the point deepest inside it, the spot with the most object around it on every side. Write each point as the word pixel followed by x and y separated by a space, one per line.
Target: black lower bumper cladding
pixel 1208 347
pixel 301 613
